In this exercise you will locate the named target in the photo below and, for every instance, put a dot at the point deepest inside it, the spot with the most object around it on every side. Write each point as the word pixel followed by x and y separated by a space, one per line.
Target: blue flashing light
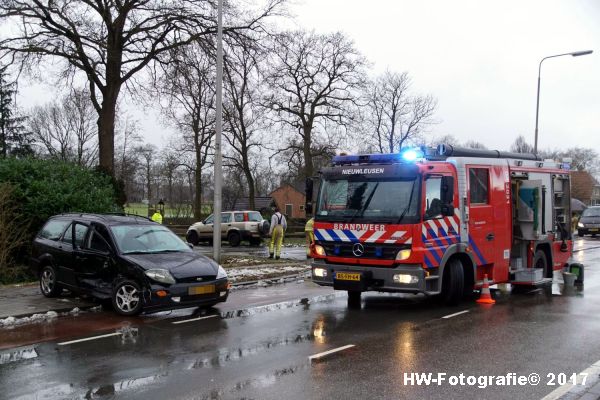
pixel 410 155
pixel 407 155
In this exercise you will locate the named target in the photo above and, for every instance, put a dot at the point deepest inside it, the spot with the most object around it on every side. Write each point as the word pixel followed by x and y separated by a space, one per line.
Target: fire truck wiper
pixel 360 212
pixel 412 191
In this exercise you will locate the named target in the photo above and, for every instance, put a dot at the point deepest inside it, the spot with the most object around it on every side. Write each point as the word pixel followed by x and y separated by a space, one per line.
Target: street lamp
pixel 537 106
pixel 218 161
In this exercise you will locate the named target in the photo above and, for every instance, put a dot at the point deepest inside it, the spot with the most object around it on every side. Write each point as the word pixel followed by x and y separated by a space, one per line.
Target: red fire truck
pixel 435 221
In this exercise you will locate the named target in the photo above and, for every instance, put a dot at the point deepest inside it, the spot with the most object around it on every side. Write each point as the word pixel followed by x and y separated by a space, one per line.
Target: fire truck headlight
pixel 406 279
pixel 320 272
pixel 403 254
pixel 319 250
pixel 580 225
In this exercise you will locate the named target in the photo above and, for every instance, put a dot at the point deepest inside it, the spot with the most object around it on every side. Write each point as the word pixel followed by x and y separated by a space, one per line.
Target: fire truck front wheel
pixel 354 298
pixel 453 283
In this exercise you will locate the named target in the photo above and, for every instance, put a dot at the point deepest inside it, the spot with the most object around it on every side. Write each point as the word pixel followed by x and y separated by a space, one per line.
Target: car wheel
pixel 234 239
pixel 192 237
pixel 453 283
pixel 127 298
pixel 48 285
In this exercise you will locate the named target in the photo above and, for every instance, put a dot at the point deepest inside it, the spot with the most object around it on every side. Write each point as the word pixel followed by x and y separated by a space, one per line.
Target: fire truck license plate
pixel 347 276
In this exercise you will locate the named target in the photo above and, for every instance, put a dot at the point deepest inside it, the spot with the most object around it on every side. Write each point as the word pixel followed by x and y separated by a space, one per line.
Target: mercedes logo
pixel 358 249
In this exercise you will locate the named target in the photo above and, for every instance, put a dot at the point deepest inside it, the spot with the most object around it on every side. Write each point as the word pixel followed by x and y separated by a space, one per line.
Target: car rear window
pixel 255 216
pixel 53 229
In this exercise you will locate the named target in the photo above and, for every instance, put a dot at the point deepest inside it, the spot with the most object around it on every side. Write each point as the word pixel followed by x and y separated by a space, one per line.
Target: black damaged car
pixel 129 261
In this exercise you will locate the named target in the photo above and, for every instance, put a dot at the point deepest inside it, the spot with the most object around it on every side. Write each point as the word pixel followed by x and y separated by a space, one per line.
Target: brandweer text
pixel 359 227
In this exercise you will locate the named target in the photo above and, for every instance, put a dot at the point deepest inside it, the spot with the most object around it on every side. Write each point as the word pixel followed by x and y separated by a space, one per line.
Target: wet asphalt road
pixel 265 356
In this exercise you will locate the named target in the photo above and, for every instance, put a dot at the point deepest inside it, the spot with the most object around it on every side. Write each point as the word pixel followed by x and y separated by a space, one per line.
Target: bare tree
pixel 444 139
pixel 243 113
pixel 394 116
pixel 186 85
pixel 111 41
pixel 520 145
pixel 474 144
pixel 313 80
pixel 583 159
pixel 67 129
pixel 127 162
pixel 171 163
pixel 146 153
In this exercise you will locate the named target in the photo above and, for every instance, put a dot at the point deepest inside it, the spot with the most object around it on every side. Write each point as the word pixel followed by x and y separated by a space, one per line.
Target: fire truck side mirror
pixel 308 205
pixel 447 196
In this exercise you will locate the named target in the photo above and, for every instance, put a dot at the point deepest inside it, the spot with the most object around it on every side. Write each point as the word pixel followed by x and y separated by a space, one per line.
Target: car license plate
pixel 347 276
pixel 205 289
pixel 594 230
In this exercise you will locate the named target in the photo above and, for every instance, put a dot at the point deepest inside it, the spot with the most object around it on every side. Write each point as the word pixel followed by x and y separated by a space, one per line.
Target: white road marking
pixel 455 314
pixel 90 338
pixel 328 352
pixel 193 319
pixel 591 375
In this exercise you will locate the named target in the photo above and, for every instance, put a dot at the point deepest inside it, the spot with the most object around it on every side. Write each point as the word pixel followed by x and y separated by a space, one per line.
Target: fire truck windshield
pixel 372 200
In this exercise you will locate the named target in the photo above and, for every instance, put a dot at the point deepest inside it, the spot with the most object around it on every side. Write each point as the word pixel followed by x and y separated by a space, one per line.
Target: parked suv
pixel 235 227
pixel 129 261
pixel 589 223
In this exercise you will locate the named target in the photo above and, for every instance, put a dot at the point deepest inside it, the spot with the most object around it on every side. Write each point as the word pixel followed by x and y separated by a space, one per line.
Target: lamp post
pixel 537 106
pixel 219 127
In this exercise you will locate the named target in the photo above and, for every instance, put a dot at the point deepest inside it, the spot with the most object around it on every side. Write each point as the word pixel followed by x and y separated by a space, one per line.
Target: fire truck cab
pixel 436 221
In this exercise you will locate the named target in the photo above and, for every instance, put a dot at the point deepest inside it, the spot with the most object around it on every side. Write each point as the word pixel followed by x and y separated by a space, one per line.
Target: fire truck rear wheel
pixel 354 298
pixel 540 261
pixel 453 282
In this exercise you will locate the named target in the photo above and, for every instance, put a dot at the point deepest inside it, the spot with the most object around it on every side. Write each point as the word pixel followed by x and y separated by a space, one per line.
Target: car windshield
pixel 591 212
pixel 147 239
pixel 389 200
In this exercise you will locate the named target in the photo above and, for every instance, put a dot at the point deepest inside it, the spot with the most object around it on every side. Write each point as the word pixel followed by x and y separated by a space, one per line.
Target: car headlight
pixel 160 275
pixel 221 273
pixel 580 225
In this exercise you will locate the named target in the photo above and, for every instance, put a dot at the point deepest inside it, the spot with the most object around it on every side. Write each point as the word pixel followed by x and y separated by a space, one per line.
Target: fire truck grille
pixel 371 250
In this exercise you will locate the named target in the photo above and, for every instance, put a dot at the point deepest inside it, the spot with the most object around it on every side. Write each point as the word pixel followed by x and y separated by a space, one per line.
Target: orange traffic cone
pixel 486 296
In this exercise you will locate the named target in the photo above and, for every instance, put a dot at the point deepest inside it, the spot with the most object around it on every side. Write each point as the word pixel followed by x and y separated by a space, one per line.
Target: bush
pixel 13 235
pixel 42 188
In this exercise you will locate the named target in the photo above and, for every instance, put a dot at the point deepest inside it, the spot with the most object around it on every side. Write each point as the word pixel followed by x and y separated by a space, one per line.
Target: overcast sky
pixel 479 58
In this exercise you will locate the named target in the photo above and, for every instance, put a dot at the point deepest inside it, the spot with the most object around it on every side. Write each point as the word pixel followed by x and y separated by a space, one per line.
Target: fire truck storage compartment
pixel 529 208
pixel 529 275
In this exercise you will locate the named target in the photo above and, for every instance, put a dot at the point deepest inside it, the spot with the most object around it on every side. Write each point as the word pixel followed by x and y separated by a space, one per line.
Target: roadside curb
pixel 579 391
pixel 238 286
